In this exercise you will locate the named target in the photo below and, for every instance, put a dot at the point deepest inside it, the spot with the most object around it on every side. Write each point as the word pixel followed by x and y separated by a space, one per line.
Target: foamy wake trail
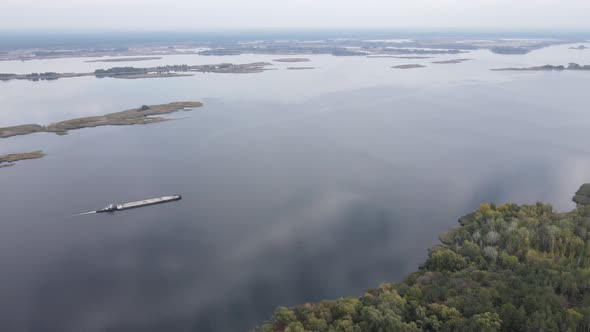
pixel 85 213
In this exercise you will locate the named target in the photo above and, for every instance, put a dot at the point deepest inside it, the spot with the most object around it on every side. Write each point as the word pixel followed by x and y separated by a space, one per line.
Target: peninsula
pixel 505 268
pixel 142 115
pixel 409 66
pixel 10 159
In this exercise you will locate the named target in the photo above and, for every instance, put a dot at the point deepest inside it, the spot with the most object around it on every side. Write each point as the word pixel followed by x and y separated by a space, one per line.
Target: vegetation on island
pixel 506 268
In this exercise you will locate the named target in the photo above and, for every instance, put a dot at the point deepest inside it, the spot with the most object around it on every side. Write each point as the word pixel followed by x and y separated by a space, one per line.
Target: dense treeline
pixel 507 268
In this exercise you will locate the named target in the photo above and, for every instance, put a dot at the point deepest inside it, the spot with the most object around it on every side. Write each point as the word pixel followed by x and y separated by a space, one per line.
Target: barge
pixel 138 204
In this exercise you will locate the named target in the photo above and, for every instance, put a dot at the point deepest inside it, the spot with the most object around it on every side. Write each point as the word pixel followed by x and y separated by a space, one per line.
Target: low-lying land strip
pixel 581 47
pixel 143 115
pixel 409 66
pixel 149 72
pixel 571 66
pixel 9 159
pixel 144 58
pixel 292 60
pixel 398 57
pixel 445 62
pixel 300 68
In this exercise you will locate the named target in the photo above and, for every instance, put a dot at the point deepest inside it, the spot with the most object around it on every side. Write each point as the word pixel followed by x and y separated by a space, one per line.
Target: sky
pixel 254 14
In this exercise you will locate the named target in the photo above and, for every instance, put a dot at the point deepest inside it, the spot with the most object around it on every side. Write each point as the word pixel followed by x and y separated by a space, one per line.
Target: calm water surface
pixel 297 185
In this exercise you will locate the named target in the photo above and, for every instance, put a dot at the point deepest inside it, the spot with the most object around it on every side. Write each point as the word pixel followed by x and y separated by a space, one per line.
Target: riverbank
pixel 505 268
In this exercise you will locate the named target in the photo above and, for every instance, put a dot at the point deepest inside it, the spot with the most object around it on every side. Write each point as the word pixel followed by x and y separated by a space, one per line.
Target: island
pixel 571 66
pixel 581 47
pixel 505 268
pixel 408 66
pixel 300 68
pixel 398 57
pixel 149 72
pixel 10 159
pixel 292 60
pixel 510 50
pixel 450 61
pixel 145 58
pixel 142 115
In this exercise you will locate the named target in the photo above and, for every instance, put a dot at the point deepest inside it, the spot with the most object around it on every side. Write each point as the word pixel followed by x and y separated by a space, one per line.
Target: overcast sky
pixel 215 14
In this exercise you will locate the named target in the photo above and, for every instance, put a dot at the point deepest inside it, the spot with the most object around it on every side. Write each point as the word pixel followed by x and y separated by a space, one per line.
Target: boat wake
pixel 83 214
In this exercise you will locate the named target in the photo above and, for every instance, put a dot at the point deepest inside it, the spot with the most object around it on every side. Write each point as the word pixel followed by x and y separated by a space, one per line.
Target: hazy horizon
pixel 297 14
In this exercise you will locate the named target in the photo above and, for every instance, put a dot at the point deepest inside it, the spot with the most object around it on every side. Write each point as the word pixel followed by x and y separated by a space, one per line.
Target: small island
pixel 571 66
pixel 408 66
pixel 300 68
pixel 581 47
pixel 142 115
pixel 292 60
pixel 10 159
pixel 145 58
pixel 445 62
pixel 417 57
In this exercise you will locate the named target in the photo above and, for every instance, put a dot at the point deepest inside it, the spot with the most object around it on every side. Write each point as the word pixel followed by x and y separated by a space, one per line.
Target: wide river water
pixel 297 185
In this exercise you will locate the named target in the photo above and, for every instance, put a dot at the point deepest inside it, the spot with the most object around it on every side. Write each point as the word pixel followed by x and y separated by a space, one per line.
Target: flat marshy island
pixel 142 115
pixel 10 159
pixel 409 66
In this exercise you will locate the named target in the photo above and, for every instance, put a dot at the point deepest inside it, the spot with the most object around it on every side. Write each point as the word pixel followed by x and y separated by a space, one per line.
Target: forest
pixel 506 268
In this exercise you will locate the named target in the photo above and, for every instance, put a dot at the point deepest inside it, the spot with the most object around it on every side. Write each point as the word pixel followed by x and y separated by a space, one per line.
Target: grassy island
pixel 9 159
pixel 142 115
pixel 505 268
